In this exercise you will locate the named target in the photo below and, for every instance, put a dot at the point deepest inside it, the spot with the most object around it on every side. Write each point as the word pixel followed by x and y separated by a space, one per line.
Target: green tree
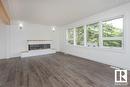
pixel 93 33
pixel 110 31
pixel 80 35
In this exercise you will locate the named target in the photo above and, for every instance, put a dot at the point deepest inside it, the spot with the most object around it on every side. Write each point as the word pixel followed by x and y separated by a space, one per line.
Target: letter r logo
pixel 121 76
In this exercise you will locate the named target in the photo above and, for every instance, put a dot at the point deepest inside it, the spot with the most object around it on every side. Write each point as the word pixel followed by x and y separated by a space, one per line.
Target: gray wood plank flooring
pixel 55 70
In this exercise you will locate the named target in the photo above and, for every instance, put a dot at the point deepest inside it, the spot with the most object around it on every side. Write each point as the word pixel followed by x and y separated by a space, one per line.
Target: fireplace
pixel 38 46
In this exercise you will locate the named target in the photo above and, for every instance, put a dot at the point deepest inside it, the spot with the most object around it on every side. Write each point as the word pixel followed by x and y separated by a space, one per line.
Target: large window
pixel 107 33
pixel 113 32
pixel 80 35
pixel 70 36
pixel 93 34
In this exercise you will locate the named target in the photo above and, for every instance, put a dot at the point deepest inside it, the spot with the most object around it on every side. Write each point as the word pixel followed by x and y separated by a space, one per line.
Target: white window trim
pixel 85 35
pixel 66 37
pixel 101 38
pixel 112 18
pixel 114 38
pixel 100 35
pixel 75 37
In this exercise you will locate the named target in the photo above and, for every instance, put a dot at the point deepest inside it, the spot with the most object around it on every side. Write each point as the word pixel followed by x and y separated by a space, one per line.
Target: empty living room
pixel 64 43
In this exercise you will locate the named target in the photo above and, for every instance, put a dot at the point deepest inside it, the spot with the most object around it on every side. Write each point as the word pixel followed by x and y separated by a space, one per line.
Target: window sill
pixel 109 49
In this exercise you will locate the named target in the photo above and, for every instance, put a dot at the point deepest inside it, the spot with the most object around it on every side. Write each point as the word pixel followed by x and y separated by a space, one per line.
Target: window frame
pixel 87 34
pixel 76 36
pixel 67 38
pixel 101 38
pixel 113 38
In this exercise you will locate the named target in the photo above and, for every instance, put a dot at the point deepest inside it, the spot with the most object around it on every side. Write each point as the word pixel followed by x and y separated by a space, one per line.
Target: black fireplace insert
pixel 38 46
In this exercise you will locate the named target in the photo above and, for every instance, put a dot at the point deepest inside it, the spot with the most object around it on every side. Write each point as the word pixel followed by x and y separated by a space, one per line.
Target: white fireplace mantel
pixel 39 41
pixel 38 52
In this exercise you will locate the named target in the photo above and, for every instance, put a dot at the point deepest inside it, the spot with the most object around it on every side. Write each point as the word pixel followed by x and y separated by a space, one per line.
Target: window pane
pixel 112 43
pixel 80 35
pixel 71 36
pixel 70 41
pixel 113 28
pixel 93 33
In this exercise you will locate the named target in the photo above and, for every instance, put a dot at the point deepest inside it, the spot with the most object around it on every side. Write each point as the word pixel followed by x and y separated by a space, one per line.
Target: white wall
pixel 2 42
pixel 120 58
pixel 14 40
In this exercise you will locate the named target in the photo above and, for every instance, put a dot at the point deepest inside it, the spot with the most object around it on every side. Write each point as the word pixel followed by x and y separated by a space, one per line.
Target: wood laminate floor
pixel 56 70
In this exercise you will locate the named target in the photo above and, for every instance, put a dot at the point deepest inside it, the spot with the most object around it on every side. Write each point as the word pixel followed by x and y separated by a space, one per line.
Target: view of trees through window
pixel 70 36
pixel 93 34
pixel 113 29
pixel 109 33
pixel 112 43
pixel 80 35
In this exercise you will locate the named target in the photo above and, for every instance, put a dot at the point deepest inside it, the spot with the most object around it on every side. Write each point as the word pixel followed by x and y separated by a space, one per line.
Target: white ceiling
pixel 58 12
